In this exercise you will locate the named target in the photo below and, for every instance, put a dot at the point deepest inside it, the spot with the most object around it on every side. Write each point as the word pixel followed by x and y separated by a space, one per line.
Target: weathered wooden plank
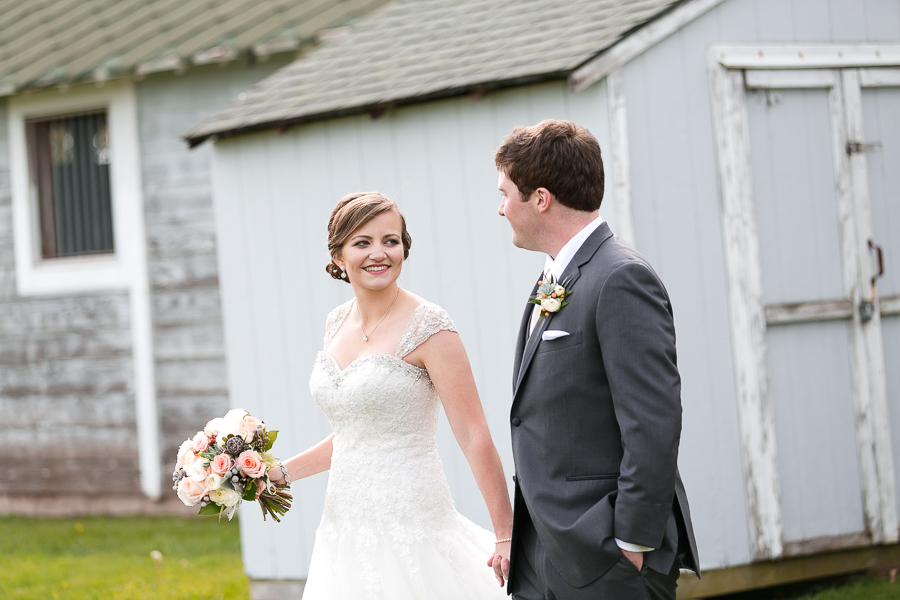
pixel 765 574
pixel 812 56
pixel 88 376
pixel 827 544
pixel 21 349
pixel 802 312
pixel 175 240
pixel 71 410
pixel 184 272
pixel 882 20
pixel 119 474
pixel 869 347
pixel 189 342
pixel 66 313
pixel 637 43
pixel 189 377
pixel 173 308
pixel 621 158
pixel 747 315
pixel 790 79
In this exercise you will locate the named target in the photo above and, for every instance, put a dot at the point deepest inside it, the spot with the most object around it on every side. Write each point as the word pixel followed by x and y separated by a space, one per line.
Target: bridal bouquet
pixel 229 462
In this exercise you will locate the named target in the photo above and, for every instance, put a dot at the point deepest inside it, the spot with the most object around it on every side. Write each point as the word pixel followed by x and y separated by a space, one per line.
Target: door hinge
pixel 860 147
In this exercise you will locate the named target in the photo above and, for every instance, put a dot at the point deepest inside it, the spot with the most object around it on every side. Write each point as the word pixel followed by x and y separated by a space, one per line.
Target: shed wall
pixel 273 196
pixel 677 220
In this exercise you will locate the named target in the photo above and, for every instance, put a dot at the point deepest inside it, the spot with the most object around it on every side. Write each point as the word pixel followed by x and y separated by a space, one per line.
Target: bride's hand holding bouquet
pixel 228 462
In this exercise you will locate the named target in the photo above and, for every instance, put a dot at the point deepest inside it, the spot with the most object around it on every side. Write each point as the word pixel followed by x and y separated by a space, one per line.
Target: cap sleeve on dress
pixel 427 320
pixel 333 321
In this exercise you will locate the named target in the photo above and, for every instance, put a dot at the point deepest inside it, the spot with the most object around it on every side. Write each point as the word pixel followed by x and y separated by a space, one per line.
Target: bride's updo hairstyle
pixel 351 213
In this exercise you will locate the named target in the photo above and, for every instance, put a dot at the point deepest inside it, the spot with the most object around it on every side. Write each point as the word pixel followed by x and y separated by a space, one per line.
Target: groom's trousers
pixel 537 578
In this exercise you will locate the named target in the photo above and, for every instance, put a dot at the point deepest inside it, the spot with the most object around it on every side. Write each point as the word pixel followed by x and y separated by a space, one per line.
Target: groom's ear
pixel 544 199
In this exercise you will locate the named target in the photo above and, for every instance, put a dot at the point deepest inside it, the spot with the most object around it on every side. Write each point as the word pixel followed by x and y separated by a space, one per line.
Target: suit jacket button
pixel 516 421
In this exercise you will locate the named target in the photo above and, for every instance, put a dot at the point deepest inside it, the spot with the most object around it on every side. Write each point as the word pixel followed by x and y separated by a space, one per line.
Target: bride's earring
pixel 343 273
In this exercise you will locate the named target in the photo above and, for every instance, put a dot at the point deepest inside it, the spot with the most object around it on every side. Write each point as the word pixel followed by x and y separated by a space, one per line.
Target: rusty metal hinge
pixel 860 147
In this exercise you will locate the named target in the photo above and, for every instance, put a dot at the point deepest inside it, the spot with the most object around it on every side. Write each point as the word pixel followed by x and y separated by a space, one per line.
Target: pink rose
pixel 220 464
pixel 251 422
pixel 251 463
pixel 191 492
pixel 200 442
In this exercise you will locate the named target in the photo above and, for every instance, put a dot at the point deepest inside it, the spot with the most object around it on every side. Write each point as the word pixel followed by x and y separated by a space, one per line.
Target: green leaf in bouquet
pixel 272 435
pixel 211 509
pixel 226 483
pixel 250 491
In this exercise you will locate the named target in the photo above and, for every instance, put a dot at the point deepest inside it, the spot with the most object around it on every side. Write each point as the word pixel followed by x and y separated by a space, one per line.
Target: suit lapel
pixel 573 270
pixel 523 336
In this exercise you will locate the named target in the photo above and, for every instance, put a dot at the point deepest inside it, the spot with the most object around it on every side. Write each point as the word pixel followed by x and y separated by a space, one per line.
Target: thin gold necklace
pixel 365 336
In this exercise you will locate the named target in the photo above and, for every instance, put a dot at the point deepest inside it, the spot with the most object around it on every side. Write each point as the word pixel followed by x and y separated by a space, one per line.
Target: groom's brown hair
pixel 561 156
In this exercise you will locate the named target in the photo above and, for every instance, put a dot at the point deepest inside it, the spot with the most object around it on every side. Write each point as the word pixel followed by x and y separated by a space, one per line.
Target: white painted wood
pixel 879 77
pixel 804 312
pixel 868 334
pixel 890 306
pixel 806 56
pixel 790 79
pixel 748 324
pixel 618 130
pixel 126 268
pixel 636 44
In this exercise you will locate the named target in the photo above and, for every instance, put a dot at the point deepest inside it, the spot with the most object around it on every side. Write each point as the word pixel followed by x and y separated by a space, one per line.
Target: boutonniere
pixel 551 295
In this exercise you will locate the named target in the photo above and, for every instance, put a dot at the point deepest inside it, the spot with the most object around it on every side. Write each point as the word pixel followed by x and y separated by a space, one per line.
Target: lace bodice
pixel 384 413
pixel 389 519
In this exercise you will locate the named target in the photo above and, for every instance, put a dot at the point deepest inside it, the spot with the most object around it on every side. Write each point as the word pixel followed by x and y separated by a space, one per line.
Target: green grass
pixel 94 558
pixel 864 589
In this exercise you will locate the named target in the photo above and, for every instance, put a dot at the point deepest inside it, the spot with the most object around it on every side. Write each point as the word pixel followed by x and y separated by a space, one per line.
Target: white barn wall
pixel 273 194
pixel 677 226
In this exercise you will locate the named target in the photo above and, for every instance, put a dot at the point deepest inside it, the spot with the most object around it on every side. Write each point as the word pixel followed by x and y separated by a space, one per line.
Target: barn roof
pixel 418 50
pixel 52 42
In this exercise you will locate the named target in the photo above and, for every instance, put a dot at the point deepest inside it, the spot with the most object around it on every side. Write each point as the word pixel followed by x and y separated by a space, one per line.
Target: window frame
pixel 36 275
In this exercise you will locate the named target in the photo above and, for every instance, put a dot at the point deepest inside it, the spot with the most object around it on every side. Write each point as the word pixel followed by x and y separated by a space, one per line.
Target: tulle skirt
pixel 358 562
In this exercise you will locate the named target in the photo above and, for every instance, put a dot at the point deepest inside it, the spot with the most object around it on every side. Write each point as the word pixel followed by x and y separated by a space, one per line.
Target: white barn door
pixel 811 207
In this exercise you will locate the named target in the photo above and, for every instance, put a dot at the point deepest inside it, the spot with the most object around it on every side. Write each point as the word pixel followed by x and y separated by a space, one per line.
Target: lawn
pixel 94 558
pixel 863 589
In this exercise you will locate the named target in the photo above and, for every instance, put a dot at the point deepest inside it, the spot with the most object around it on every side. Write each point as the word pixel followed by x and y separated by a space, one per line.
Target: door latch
pixel 867 308
pixel 861 147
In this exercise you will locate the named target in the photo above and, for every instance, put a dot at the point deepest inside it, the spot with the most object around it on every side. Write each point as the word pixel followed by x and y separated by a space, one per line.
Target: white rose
pixel 235 415
pixel 212 428
pixel 559 290
pixel 225 497
pixel 197 471
pixel 550 304
pixel 185 450
pixel 213 481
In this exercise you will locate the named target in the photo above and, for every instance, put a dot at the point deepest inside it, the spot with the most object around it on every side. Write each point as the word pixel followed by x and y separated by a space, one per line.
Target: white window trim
pixel 732 68
pixel 125 268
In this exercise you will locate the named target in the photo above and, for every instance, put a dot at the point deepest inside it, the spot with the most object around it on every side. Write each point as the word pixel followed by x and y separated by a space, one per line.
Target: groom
pixel 600 510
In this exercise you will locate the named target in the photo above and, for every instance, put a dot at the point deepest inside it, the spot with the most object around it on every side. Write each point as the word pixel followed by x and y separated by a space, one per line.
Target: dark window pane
pixel 69 163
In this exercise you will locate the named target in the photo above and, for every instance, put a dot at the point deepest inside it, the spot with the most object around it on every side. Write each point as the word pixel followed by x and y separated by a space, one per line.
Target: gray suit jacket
pixel 596 419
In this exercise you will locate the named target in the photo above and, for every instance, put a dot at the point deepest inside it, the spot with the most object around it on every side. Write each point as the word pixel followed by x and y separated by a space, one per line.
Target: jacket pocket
pixel 567 341
pixel 592 477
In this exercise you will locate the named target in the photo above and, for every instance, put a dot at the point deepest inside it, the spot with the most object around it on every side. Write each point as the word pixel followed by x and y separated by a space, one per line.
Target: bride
pixel 390 359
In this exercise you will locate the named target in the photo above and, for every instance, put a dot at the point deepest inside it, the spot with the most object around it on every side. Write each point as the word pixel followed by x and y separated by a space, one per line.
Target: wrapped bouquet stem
pixel 228 462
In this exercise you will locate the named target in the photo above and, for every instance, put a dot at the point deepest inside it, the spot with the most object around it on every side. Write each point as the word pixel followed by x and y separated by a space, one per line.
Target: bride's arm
pixel 444 356
pixel 309 462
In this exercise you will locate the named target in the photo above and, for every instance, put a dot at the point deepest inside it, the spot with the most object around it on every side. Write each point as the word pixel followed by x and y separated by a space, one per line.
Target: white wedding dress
pixel 389 529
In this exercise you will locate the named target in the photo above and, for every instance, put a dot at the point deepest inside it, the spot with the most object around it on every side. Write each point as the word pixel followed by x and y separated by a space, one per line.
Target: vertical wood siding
pixel 273 196
pixel 677 225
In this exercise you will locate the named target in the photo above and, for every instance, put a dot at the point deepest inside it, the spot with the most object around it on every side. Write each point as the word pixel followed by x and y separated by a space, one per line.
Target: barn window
pixel 69 162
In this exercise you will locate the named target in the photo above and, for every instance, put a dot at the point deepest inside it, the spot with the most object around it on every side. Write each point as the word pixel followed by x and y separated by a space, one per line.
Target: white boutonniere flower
pixel 551 296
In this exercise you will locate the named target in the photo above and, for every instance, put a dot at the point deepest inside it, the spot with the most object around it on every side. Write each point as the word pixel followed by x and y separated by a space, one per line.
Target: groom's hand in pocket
pixel 635 558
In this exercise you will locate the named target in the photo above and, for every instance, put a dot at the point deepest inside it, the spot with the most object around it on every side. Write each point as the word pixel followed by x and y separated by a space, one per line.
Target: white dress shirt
pixel 555 268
